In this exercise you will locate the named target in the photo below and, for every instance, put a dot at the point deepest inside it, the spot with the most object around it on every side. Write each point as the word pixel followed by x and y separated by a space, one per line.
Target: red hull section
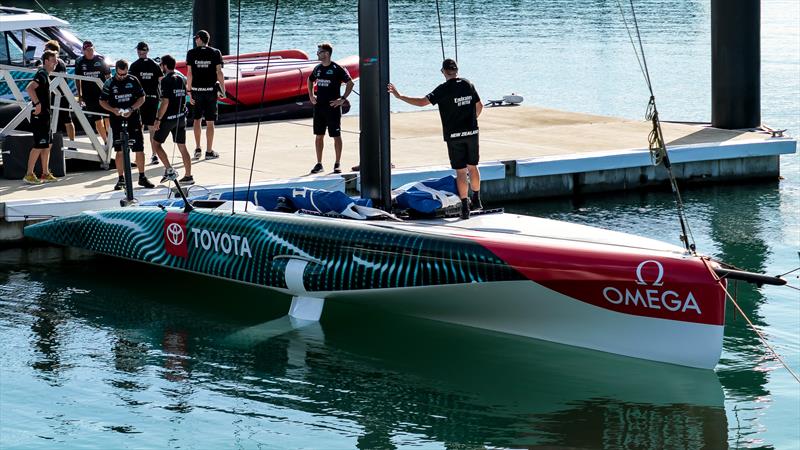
pixel 668 287
pixel 287 79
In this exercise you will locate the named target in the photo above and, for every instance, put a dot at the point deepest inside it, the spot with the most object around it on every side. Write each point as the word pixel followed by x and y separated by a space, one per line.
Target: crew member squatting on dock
pixel 123 96
pixel 39 92
pixel 171 119
pixel 459 108
pixel 148 73
pixel 205 83
pixel 328 102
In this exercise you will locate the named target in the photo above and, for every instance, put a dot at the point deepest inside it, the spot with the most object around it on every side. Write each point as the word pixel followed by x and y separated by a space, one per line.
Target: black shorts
pixel 205 105
pixel 175 127
pixel 135 136
pixel 93 105
pixel 328 118
pixel 148 110
pixel 463 152
pixel 40 125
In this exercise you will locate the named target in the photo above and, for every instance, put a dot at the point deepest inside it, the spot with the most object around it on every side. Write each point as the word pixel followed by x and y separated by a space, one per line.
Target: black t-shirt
pixel 148 73
pixel 95 67
pixel 204 61
pixel 61 66
pixel 42 79
pixel 173 88
pixel 456 98
pixel 122 93
pixel 329 80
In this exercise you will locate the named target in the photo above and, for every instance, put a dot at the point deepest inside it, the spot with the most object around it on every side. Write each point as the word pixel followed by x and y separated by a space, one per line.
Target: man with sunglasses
pixel 328 77
pixel 122 96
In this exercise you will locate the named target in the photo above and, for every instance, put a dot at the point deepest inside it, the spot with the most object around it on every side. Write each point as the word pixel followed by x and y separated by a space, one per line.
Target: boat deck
pixel 518 141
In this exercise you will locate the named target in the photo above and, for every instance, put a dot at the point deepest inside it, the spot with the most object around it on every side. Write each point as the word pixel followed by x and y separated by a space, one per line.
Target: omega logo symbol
pixel 640 279
pixel 175 234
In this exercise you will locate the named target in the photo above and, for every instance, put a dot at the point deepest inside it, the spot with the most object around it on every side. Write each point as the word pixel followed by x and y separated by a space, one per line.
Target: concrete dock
pixel 526 152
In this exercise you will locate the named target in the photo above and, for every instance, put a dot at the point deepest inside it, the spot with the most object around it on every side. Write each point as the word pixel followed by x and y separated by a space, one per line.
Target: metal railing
pixel 94 149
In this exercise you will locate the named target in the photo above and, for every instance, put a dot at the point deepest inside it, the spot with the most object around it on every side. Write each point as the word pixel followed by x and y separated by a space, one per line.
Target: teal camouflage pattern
pixel 344 255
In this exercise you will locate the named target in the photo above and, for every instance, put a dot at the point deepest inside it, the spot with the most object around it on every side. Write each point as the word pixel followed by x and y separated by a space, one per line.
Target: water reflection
pixel 381 380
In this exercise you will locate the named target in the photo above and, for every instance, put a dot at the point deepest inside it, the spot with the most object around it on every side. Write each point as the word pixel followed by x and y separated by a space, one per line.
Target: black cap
pixel 203 35
pixel 142 46
pixel 449 64
pixel 87 44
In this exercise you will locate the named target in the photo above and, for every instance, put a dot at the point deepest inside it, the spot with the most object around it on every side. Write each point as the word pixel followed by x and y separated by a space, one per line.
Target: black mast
pixel 213 16
pixel 373 49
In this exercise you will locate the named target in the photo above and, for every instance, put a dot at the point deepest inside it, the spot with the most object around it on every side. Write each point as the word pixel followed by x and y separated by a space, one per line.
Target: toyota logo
pixel 640 279
pixel 175 234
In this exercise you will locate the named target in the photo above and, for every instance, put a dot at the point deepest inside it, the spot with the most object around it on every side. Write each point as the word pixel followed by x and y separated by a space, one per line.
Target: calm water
pixel 104 354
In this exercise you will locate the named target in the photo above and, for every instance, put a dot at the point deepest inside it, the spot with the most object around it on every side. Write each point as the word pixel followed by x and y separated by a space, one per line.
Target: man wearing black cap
pixel 459 108
pixel 148 73
pixel 94 66
pixel 123 96
pixel 205 83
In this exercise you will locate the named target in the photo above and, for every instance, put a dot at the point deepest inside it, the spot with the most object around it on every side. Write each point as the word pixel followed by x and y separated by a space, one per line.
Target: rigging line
pixel 787 273
pixel 261 104
pixel 641 48
pixel 792 287
pixel 749 322
pixel 455 30
pixel 630 37
pixel 441 36
pixel 40 6
pixel 236 102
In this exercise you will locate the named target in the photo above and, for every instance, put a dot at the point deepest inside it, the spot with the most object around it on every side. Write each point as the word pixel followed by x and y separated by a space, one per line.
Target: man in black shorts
pixel 94 66
pixel 148 73
pixel 122 96
pixel 328 102
pixel 64 116
pixel 205 83
pixel 39 92
pixel 459 108
pixel 171 119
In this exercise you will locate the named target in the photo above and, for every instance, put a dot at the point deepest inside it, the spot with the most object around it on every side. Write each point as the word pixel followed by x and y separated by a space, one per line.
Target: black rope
pixel 441 36
pixel 656 144
pixel 236 102
pixel 261 104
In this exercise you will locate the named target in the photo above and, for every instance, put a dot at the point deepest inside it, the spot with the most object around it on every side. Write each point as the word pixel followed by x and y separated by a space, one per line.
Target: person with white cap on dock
pixel 459 108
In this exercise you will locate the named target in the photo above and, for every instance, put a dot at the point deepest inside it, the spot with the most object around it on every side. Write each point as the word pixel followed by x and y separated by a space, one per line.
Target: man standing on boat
pixel 459 108
pixel 205 82
pixel 171 119
pixel 39 92
pixel 328 102
pixel 148 73
pixel 94 66
pixel 122 96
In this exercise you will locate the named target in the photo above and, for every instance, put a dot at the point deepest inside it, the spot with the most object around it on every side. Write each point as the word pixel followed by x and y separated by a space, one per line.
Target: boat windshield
pixel 70 44
pixel 24 47
pixel 11 49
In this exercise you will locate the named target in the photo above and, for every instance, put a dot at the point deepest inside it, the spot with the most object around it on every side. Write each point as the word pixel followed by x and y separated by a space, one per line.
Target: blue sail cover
pixel 424 196
pixel 428 195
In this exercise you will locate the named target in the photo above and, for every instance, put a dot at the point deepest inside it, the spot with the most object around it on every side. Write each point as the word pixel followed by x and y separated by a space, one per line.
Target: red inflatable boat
pixel 286 94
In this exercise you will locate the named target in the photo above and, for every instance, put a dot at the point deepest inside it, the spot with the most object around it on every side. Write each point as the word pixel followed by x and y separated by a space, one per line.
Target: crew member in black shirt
pixel 459 108
pixel 148 73
pixel 205 82
pixel 92 65
pixel 39 92
pixel 328 102
pixel 122 96
pixel 64 116
pixel 171 119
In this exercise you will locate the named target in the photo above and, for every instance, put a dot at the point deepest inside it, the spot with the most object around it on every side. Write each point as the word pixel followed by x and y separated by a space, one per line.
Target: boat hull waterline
pixel 651 303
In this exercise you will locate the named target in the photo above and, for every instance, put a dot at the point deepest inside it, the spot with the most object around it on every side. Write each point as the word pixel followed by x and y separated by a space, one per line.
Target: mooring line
pixel 749 322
